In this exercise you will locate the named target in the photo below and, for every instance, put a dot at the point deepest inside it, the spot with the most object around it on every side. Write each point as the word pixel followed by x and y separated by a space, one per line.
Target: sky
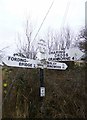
pixel 14 13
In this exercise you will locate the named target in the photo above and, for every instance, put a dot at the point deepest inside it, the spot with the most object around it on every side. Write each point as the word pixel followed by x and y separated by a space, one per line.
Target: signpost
pixel 20 62
pixel 71 54
pixel 41 63
pixel 30 63
pixel 56 65
pixel 41 51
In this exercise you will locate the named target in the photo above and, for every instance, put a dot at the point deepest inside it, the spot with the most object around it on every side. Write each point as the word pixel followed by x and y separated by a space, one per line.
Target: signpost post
pixel 42 88
pixel 30 63
pixel 44 60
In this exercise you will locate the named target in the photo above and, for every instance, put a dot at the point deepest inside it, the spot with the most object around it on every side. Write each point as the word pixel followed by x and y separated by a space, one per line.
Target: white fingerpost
pixel 20 62
pixel 56 65
pixel 41 53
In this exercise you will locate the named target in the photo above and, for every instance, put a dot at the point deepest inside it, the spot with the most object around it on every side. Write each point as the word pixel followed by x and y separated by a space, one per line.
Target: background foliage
pixel 65 93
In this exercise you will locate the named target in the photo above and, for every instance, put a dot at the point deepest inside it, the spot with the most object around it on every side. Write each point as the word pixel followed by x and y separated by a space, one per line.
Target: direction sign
pixel 52 65
pixel 30 63
pixel 71 54
pixel 42 46
pixel 20 62
pixel 75 53
pixel 41 51
pixel 56 65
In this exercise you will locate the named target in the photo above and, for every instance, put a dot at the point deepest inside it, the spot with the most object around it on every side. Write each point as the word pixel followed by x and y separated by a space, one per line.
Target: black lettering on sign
pixel 17 59
pixel 34 66
pixel 12 59
pixel 63 66
pixel 49 65
pixel 57 66
pixel 67 54
pixel 25 64
pixel 54 58
pixel 9 57
pixel 54 63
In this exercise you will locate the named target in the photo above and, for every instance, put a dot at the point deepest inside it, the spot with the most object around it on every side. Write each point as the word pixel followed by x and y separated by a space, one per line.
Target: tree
pixel 83 40
pixel 66 37
pixel 23 100
pixel 25 49
pixel 57 40
pixel 49 39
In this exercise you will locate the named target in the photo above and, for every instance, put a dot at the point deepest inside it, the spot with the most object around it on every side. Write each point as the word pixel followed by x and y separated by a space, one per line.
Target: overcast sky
pixel 14 13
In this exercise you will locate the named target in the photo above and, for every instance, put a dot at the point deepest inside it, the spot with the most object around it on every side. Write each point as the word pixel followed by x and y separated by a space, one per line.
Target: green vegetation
pixel 65 93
